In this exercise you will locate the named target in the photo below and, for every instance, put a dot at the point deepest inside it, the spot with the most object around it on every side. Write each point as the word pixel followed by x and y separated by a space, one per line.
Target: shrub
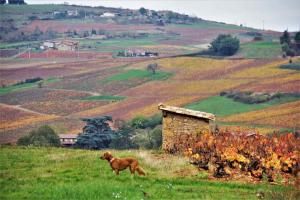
pixel 148 138
pixel 225 45
pixel 143 11
pixel 294 66
pixel 285 38
pixel 32 17
pixel 140 132
pixel 154 121
pixel 249 97
pixel 156 137
pixel 123 138
pixel 139 122
pixel 43 136
pixel 16 2
pixel 29 80
pixel 227 152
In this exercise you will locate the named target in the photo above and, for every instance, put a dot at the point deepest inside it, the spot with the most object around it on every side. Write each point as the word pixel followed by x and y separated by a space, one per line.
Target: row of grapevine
pixel 227 153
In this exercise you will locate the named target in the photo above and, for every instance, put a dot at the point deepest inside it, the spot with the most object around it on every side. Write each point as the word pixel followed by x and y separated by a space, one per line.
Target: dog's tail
pixel 141 171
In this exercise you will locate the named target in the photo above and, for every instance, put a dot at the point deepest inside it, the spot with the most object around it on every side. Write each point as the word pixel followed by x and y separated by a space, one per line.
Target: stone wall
pixel 180 131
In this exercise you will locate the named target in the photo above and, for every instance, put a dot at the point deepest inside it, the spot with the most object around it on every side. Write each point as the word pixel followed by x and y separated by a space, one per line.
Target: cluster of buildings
pixel 137 53
pixel 64 45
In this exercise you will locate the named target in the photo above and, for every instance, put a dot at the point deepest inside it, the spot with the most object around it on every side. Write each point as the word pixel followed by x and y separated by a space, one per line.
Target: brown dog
pixel 119 164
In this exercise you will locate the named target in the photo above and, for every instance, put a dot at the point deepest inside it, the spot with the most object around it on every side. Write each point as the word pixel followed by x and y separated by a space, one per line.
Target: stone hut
pixel 181 126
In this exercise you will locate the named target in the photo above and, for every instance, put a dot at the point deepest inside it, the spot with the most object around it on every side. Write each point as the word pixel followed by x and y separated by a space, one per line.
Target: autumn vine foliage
pixel 227 153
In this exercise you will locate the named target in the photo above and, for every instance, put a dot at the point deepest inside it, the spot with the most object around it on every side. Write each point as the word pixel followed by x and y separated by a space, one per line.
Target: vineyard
pixel 61 63
pixel 179 81
pixel 285 115
pixel 232 154
pixel 16 117
pixel 5 53
pixel 65 54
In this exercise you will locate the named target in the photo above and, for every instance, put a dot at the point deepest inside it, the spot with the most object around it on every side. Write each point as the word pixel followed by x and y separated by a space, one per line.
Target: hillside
pixel 61 65
pixel 124 89
pixel 104 29
pixel 106 74
pixel 55 173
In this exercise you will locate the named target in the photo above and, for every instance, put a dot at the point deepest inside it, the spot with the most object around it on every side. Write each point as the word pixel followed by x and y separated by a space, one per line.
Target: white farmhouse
pixel 108 14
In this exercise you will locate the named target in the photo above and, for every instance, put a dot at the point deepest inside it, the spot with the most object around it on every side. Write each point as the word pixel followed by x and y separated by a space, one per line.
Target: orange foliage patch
pixel 228 153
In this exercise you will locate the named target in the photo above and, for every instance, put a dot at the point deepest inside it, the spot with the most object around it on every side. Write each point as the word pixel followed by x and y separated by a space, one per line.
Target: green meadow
pixel 13 88
pixel 57 173
pixel 104 98
pixel 135 73
pixel 263 49
pixel 293 66
pixel 222 106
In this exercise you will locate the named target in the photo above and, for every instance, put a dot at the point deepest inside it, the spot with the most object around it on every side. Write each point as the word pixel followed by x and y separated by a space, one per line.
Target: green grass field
pixel 135 73
pixel 56 173
pixel 24 44
pixel 13 88
pixel 211 25
pixel 261 50
pixel 104 98
pixel 222 106
pixel 294 66
pixel 120 43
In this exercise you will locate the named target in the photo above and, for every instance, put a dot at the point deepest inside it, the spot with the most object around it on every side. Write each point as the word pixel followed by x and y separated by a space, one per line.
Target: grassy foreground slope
pixel 54 173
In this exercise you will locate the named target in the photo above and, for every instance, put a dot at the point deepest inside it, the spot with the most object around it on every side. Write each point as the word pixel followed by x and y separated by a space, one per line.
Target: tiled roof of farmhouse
pixel 188 112
pixel 68 136
pixel 66 42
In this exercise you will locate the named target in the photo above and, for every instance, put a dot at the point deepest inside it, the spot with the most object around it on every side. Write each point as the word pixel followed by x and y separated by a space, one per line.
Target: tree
pixel 225 45
pixel 86 34
pixel 94 32
pixel 297 39
pixel 152 67
pixel 2 2
pixel 148 138
pixel 288 51
pixel 40 84
pixel 285 38
pixel 139 122
pixel 37 31
pixel 43 136
pixel 155 136
pixel 16 2
pixel 143 11
pixel 123 138
pixel 97 134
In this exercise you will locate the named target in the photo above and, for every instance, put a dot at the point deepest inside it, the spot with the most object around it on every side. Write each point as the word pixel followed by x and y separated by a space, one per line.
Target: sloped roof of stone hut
pixel 187 112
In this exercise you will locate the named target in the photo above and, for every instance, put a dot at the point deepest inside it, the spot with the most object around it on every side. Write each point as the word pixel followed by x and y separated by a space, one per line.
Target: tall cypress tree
pixel 285 38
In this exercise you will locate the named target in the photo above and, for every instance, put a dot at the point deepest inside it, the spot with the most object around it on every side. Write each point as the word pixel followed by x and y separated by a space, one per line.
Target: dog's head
pixel 106 156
